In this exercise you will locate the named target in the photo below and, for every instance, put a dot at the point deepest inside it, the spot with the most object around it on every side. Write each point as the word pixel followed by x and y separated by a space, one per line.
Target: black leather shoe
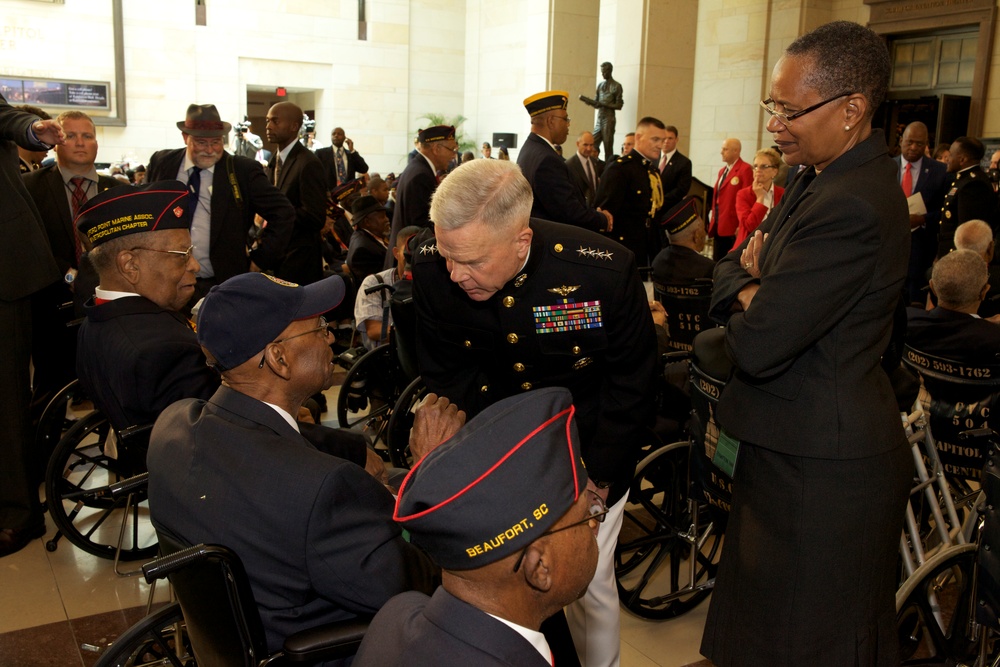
pixel 13 540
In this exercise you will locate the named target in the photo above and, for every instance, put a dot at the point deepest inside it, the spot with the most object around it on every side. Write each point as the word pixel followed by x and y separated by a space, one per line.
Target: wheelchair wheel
pixel 158 639
pixel 654 571
pixel 78 471
pixel 400 423
pixel 933 610
pixel 53 423
pixel 369 391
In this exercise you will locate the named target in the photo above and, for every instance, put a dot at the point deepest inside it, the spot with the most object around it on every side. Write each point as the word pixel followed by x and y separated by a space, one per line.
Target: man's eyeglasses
pixel 565 118
pixel 598 510
pixel 787 118
pixel 323 326
pixel 449 148
pixel 208 143
pixel 186 254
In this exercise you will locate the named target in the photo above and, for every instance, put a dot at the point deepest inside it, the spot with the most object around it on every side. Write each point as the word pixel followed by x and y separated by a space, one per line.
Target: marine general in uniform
pixel 632 191
pixel 507 303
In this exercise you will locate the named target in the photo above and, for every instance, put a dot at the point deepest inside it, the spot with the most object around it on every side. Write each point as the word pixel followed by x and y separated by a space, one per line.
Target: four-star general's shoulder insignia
pixel 564 290
pixel 591 252
pixel 429 249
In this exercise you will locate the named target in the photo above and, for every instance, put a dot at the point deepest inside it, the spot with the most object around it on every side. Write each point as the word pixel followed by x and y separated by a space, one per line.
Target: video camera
pixel 243 126
pixel 308 124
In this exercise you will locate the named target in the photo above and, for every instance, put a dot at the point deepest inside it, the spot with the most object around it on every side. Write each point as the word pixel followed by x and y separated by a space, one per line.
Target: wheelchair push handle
pixel 161 567
pixel 127 486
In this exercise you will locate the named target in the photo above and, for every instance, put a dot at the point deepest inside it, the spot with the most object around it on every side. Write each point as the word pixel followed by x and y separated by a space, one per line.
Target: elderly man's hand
pixel 436 420
pixel 375 466
pixel 659 313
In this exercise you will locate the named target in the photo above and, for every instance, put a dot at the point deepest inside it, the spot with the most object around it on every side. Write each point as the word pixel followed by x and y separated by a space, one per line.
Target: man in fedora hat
pixel 367 251
pixel 227 192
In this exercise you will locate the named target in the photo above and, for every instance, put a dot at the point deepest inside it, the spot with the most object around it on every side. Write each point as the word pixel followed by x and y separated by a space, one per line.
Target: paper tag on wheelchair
pixel 726 452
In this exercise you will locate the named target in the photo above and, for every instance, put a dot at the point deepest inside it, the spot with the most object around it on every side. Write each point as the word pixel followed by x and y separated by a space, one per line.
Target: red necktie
pixel 79 199
pixel 907 180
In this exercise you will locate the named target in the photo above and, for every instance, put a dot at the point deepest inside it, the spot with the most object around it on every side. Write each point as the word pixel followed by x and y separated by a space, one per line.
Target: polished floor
pixel 62 608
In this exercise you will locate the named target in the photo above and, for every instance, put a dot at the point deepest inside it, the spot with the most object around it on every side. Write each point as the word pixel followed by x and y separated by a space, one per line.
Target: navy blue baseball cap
pixel 238 318
pixel 498 484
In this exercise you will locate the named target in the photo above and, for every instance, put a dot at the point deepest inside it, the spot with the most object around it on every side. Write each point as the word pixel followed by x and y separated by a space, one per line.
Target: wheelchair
pixel 687 308
pixel 939 617
pixel 948 611
pixel 216 622
pixel 675 517
pixel 88 460
pixel 383 386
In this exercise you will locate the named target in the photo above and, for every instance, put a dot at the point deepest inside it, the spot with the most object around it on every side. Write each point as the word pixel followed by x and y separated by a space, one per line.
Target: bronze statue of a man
pixel 609 100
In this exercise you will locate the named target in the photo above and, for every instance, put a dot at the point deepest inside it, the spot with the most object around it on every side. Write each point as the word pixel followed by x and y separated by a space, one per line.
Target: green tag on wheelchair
pixel 726 452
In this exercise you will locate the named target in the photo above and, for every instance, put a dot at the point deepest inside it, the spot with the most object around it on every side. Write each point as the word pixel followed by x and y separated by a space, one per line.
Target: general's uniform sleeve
pixel 612 189
pixel 820 274
pixel 626 401
pixel 561 200
pixel 271 204
pixel 439 368
pixel 356 556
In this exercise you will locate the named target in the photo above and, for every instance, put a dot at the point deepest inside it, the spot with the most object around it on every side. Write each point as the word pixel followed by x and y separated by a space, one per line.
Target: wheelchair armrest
pixel 127 434
pixel 127 486
pixel 161 567
pixel 326 642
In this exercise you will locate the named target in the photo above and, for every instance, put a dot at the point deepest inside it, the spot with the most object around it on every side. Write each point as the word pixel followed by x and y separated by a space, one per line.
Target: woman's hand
pixel 750 259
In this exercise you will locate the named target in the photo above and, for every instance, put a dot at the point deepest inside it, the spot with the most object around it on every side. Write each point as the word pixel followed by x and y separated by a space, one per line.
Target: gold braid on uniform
pixel 656 188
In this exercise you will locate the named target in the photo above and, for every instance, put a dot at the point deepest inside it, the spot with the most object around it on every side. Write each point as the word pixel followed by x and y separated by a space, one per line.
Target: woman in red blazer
pixel 754 203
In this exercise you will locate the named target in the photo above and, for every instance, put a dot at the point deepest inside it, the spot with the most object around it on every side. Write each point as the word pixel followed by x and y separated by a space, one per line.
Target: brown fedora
pixel 203 120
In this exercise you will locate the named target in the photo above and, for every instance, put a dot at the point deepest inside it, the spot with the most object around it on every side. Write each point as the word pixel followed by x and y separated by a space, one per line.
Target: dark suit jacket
pixel 413 200
pixel 302 181
pixel 315 532
pixel 953 335
pixel 556 198
pixel 365 255
pixel 724 219
pixel 466 351
pixel 135 358
pixel 809 381
pixel 675 265
pixel 355 165
pixel 32 266
pixel 971 197
pixel 47 188
pixel 676 177
pixel 413 629
pixel 232 220
pixel 579 177
pixel 932 184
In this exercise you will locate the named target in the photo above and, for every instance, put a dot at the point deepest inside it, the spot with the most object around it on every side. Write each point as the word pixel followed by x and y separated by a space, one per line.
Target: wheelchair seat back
pixel 218 604
pixel 404 324
pixel 710 370
pixel 957 397
pixel 988 554
pixel 687 311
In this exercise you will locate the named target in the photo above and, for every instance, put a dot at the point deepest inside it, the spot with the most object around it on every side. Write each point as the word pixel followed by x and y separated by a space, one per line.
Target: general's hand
pixel 48 132
pixel 436 420
pixel 751 254
pixel 611 219
pixel 350 144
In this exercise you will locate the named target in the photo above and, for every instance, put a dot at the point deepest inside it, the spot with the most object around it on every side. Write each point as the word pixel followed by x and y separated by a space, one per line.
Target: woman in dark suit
pixel 823 469
pixel 754 203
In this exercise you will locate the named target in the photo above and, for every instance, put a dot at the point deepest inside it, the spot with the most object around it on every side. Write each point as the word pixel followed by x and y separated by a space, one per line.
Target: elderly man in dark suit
pixel 436 146
pixel 22 274
pixel 583 167
pixel 555 197
pixel 299 175
pixel 682 262
pixel 953 330
pixel 920 175
pixel 366 254
pixel 59 191
pixel 314 531
pixel 229 191
pixel 504 570
pixel 340 164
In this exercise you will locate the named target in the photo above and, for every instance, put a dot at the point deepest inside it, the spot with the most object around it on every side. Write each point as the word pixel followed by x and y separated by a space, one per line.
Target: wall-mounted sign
pixel 49 93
